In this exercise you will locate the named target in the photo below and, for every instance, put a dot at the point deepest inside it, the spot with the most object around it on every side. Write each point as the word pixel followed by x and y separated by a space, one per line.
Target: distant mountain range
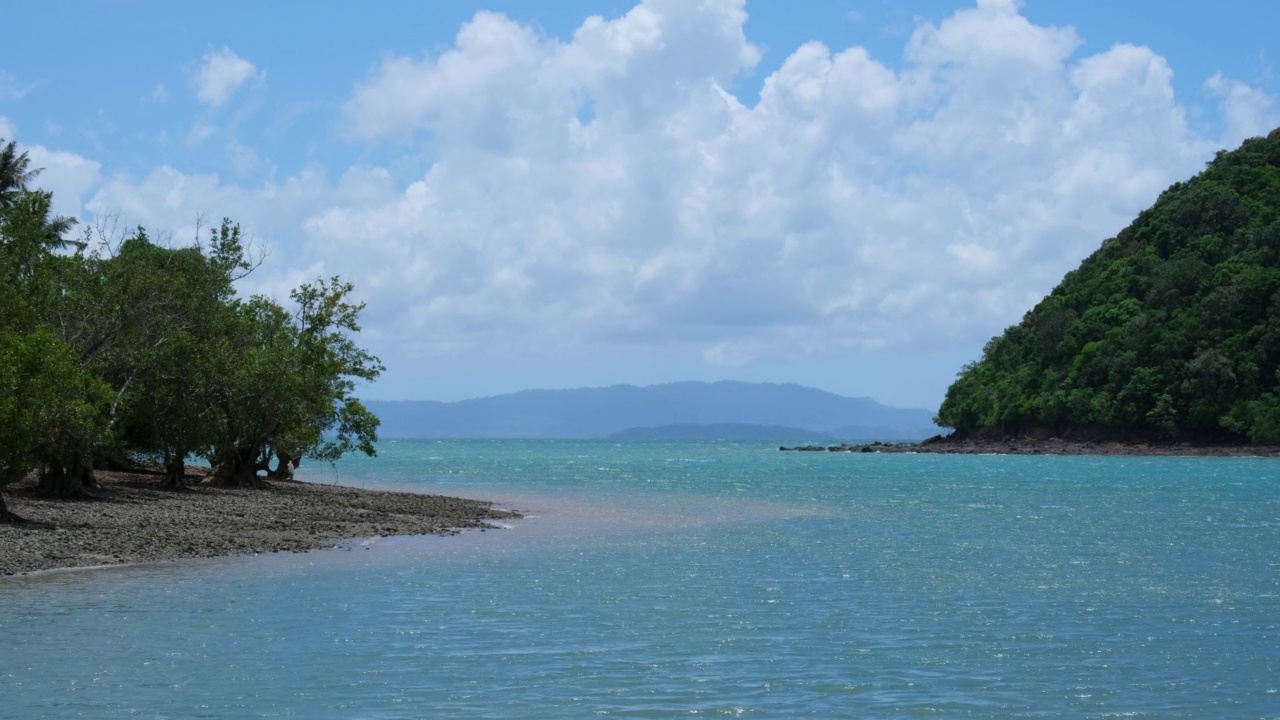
pixel 727 410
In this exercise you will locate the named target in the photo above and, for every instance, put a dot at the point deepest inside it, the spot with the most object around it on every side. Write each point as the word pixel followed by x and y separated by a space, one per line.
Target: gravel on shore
pixel 132 518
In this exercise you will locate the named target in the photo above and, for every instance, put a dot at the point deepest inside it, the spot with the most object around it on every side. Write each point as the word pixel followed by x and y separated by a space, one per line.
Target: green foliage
pixel 1169 330
pixel 133 347
pixel 51 411
pixel 15 173
pixel 287 389
pixel 171 307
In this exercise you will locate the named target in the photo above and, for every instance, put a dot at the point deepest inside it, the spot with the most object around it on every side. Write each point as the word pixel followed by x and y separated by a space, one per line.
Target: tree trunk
pixel 175 469
pixel 175 472
pixel 63 482
pixel 285 463
pixel 239 468
pixel 6 516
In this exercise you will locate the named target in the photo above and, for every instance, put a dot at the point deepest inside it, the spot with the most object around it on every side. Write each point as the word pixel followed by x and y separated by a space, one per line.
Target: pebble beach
pixel 132 518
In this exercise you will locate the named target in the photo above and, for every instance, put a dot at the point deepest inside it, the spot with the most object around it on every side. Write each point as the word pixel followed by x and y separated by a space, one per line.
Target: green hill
pixel 1170 330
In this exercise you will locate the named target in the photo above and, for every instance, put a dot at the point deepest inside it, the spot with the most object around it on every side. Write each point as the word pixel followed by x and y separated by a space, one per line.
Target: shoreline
pixel 1045 446
pixel 132 519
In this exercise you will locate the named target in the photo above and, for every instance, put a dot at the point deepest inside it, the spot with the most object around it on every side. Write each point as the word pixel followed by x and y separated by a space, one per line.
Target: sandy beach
pixel 132 519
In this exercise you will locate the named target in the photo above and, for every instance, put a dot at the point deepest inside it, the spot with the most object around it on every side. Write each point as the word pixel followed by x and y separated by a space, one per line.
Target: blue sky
pixel 848 195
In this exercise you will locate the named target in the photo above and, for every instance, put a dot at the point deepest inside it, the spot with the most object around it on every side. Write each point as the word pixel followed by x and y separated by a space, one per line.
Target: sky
pixel 853 196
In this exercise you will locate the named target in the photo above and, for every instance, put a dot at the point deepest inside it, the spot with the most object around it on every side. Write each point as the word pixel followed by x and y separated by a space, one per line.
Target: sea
pixel 711 579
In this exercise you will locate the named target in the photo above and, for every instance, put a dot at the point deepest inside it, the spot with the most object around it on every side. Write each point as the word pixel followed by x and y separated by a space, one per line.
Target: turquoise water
pixel 656 580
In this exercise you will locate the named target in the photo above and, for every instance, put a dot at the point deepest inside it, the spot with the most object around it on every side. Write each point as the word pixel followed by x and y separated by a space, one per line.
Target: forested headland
pixel 1170 331
pixel 116 348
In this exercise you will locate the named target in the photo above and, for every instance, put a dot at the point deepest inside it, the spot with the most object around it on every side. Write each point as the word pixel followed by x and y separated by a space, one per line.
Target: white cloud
pixel 70 177
pixel 221 73
pixel 199 132
pixel 493 85
pixel 168 200
pixel 243 158
pixel 608 189
pixel 730 354
pixel 13 89
pixel 1248 112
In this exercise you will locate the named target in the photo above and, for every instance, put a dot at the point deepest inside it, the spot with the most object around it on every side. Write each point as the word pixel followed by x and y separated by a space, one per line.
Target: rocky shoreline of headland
pixel 947 445
pixel 132 518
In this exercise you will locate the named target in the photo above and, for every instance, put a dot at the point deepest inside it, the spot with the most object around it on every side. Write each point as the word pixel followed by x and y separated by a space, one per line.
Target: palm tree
pixel 26 212
pixel 28 220
pixel 15 173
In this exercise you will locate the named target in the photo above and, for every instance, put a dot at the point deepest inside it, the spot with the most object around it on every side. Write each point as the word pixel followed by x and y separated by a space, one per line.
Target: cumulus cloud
pixel 608 189
pixel 170 201
pixel 643 64
pixel 220 74
pixel 1246 111
pixel 70 177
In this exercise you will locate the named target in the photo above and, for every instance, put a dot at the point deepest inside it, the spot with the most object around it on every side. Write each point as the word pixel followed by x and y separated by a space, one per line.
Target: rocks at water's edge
pixel 1026 445
pixel 876 446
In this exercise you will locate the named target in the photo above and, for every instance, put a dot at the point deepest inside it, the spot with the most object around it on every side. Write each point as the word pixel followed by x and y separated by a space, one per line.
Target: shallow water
pixel 652 580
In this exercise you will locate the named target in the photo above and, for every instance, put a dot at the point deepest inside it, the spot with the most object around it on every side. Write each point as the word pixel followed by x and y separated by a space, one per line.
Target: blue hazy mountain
pixel 681 410
pixel 721 431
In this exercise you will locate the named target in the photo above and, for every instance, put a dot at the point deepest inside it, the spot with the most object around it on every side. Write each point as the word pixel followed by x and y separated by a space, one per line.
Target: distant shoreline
pixel 1048 446
pixel 133 519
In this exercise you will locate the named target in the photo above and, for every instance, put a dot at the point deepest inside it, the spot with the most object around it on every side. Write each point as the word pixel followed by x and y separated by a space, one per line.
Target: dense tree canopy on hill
pixel 118 347
pixel 1170 330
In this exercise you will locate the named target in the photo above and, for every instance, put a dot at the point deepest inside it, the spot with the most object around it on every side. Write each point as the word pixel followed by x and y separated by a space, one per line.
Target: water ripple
pixel 711 580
